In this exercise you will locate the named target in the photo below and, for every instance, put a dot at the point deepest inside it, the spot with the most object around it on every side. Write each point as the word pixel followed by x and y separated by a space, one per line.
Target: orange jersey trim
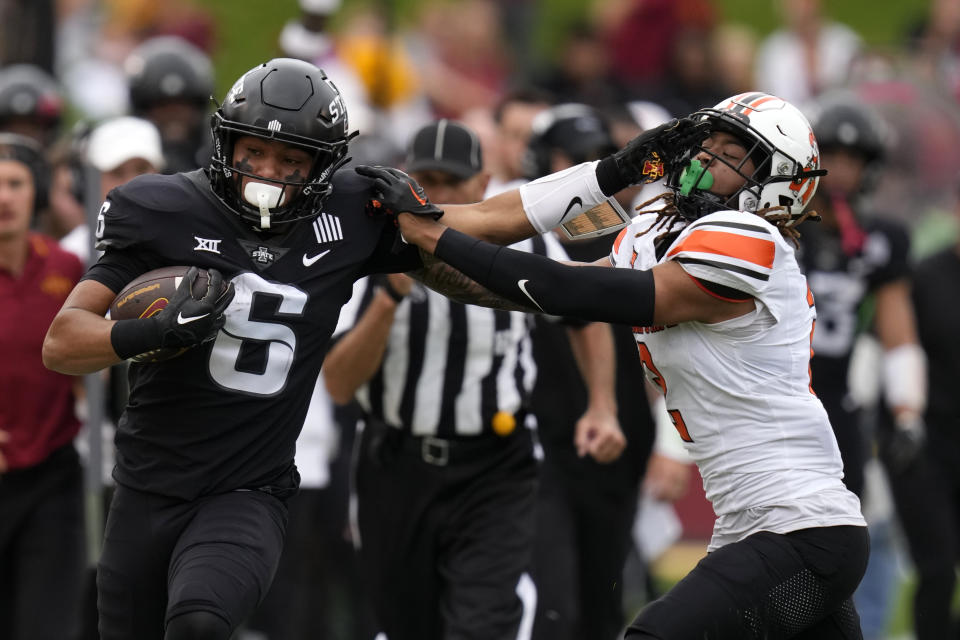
pixel 756 250
pixel 616 243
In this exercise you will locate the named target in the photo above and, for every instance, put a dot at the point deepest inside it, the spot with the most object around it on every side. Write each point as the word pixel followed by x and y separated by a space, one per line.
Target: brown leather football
pixel 147 295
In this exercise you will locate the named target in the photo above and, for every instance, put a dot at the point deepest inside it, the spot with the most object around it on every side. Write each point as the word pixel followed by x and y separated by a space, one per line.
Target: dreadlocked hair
pixel 668 216
pixel 785 223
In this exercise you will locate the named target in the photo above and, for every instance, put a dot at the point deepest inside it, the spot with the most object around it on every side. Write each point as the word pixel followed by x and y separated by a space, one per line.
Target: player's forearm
pixel 453 284
pixel 592 347
pixel 500 219
pixel 355 358
pixel 78 342
pixel 895 322
pixel 904 366
pixel 589 293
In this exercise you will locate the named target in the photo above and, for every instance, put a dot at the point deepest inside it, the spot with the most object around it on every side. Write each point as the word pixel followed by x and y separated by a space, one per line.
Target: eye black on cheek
pixel 244 165
pixel 296 176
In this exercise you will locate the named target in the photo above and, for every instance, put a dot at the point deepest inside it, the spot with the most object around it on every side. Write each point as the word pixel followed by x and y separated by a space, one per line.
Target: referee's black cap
pixel 446 146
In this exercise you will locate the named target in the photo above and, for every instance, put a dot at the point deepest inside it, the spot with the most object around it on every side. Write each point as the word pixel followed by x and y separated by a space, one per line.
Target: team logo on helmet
pixel 236 89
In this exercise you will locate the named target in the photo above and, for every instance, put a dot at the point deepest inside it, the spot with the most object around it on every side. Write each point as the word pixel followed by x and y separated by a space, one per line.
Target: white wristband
pixel 905 378
pixel 556 198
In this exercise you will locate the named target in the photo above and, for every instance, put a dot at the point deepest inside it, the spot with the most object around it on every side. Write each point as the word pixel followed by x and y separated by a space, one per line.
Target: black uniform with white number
pixel 445 502
pixel 220 422
pixel 841 279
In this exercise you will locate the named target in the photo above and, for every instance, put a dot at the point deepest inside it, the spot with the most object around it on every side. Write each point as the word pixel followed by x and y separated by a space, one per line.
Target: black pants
pixel 766 587
pixel 927 498
pixel 582 539
pixel 164 557
pixel 42 549
pixel 445 534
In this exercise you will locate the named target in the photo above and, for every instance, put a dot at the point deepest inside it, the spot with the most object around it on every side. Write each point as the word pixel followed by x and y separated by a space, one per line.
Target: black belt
pixel 444 451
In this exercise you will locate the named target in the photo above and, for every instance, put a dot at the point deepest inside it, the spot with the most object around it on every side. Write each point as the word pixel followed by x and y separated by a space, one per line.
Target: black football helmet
pixel 290 101
pixel 841 121
pixel 168 68
pixel 27 92
pixel 579 131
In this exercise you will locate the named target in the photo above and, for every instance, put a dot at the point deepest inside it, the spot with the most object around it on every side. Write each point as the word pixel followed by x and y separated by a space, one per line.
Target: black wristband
pixel 609 177
pixel 132 337
pixel 389 290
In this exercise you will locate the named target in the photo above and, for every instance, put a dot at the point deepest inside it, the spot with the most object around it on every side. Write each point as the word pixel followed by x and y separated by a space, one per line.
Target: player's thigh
pixel 226 557
pixel 842 624
pixel 766 586
pixel 487 592
pixel 140 532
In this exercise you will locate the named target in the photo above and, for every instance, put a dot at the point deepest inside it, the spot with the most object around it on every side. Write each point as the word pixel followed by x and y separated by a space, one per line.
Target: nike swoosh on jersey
pixel 181 319
pixel 523 287
pixel 308 260
pixel 576 201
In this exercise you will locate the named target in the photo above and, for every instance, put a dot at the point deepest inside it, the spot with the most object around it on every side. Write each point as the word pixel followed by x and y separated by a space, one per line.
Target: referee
pixel 446 477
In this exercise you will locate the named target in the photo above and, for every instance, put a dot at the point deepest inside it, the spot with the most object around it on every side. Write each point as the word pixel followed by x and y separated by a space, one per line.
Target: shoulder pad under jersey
pixel 731 248
pixel 135 212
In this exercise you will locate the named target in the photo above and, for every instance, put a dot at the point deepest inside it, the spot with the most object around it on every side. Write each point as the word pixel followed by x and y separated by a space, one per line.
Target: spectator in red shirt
pixel 42 549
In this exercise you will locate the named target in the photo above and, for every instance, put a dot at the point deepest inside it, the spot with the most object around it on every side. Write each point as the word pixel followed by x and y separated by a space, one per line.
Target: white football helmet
pixel 782 146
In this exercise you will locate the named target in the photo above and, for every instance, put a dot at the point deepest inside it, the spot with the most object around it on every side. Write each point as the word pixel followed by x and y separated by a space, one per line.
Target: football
pixel 147 295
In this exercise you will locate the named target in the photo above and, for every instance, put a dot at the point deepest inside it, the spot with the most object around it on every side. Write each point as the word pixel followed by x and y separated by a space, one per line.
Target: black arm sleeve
pixel 595 294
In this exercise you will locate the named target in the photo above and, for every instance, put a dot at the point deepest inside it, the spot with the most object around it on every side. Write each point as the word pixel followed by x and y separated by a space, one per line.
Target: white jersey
pixel 739 391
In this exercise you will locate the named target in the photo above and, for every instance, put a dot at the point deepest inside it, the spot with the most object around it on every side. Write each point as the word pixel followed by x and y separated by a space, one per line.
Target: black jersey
pixel 840 283
pixel 225 415
pixel 935 284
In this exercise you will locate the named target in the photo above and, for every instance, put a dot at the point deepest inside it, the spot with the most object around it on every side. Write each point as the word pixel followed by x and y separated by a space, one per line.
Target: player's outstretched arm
pixel 591 293
pixel 78 340
pixel 546 203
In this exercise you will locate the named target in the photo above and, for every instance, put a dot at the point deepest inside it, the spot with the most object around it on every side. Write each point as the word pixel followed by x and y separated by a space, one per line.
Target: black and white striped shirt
pixel 448 367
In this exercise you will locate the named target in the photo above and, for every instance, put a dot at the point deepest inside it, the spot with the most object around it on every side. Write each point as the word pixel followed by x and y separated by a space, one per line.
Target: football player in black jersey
pixel 205 445
pixel 850 258
pixel 854 260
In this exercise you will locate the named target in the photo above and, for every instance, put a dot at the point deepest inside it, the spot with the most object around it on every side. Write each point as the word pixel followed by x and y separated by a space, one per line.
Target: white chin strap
pixel 264 196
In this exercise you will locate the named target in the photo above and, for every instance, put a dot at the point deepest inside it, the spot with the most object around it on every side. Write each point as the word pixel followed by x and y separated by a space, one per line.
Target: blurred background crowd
pixel 111 89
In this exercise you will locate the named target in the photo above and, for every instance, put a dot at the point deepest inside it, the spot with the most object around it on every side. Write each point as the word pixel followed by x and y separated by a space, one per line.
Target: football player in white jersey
pixel 723 321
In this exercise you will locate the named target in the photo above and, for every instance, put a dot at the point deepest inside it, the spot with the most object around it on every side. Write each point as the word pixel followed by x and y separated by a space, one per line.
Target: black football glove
pixel 906 443
pixel 395 192
pixel 187 321
pixel 658 151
